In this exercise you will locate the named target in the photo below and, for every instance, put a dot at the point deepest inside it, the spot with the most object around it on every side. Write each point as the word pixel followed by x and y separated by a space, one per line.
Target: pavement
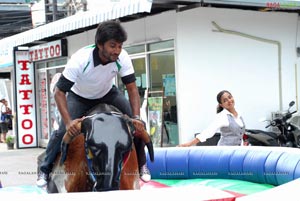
pixel 18 166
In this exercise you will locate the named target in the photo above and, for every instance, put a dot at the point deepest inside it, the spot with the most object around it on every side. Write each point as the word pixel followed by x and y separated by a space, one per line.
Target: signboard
pixel 49 50
pixel 25 100
pixel 155 107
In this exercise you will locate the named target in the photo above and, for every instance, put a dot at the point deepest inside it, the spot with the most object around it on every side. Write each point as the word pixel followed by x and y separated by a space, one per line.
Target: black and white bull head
pixel 109 140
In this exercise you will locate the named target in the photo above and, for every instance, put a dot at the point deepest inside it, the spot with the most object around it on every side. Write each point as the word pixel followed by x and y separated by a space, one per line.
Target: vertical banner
pixel 42 104
pixel 155 106
pixel 169 84
pixel 25 100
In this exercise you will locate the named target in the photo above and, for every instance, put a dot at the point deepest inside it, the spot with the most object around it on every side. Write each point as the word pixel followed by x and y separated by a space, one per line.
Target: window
pixel 154 65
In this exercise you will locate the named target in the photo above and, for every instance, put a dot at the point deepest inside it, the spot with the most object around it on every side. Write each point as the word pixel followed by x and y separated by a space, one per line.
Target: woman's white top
pixel 222 122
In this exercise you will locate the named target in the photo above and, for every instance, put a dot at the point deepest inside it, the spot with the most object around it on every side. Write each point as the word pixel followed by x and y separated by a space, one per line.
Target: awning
pixel 85 19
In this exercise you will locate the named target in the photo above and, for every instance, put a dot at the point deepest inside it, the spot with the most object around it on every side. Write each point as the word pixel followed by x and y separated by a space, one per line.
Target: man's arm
pixel 134 98
pixel 61 103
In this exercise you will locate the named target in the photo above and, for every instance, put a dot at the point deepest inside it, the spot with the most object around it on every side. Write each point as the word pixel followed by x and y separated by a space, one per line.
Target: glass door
pixel 139 65
pixel 162 78
pixel 154 65
pixel 48 116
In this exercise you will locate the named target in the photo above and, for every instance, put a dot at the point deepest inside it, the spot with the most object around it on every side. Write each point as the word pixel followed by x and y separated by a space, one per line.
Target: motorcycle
pixel 288 136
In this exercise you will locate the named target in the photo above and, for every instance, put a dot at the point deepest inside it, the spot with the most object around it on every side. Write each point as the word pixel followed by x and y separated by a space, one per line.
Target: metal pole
pixel 54 14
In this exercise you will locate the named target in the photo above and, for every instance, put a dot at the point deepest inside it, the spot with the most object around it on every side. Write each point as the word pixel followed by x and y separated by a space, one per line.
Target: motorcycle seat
pixel 254 131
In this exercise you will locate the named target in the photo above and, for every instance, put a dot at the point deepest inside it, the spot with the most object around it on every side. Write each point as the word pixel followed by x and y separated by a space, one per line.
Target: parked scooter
pixel 288 135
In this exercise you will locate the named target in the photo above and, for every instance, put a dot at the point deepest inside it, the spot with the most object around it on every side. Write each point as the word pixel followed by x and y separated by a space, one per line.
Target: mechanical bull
pixel 103 157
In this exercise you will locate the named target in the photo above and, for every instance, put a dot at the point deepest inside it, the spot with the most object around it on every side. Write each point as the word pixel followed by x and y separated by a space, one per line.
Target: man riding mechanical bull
pixel 87 81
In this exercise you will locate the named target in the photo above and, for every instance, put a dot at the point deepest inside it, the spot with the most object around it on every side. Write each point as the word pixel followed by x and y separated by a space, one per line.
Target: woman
pixel 230 124
pixel 4 110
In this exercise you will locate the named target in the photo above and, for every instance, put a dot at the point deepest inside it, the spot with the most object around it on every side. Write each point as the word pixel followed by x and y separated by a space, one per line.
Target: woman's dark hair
pixel 220 94
pixel 110 30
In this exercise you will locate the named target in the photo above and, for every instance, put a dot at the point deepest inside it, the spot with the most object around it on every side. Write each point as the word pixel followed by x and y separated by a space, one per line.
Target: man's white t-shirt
pixel 93 82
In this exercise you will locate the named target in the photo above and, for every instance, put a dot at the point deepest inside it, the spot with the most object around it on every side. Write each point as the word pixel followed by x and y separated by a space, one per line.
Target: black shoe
pixel 42 179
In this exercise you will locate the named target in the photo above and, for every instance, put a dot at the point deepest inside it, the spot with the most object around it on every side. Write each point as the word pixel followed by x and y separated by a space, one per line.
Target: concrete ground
pixel 18 166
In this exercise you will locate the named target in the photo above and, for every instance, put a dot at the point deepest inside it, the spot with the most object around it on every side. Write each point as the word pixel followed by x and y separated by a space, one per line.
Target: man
pixel 86 81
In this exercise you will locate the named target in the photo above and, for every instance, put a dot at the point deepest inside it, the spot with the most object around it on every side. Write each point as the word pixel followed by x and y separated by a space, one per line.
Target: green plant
pixel 10 139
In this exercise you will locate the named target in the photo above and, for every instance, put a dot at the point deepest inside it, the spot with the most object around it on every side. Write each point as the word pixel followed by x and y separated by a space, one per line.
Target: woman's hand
pixel 184 145
pixel 191 143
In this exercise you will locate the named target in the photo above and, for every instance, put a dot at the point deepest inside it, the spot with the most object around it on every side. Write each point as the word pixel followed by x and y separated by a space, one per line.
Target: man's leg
pixel 117 99
pixel 141 155
pixel 4 136
pixel 76 109
pixel 2 139
pixel 4 131
pixel 53 148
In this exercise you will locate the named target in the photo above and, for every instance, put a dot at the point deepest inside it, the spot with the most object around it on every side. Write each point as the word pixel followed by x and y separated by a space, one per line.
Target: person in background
pixel 228 122
pixel 87 81
pixel 56 118
pixel 3 121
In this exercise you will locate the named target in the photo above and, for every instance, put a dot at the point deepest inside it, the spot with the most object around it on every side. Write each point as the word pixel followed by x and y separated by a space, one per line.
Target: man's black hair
pixel 110 30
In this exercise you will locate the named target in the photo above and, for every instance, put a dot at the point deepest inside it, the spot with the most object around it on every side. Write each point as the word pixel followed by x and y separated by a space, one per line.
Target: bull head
pixel 108 139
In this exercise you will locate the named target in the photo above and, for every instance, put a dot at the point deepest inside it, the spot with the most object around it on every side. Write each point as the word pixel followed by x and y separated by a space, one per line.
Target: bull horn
pixel 150 150
pixel 142 133
pixel 64 151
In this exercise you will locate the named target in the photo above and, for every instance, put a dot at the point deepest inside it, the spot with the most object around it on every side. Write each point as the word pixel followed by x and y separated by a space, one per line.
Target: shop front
pixel 36 69
pixel 154 65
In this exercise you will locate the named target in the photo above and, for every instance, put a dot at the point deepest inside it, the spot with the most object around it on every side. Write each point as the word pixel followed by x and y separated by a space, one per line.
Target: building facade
pixel 186 57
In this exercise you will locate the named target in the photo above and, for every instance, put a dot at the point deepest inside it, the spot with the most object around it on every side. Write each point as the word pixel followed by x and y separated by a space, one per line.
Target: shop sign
pixel 25 100
pixel 49 50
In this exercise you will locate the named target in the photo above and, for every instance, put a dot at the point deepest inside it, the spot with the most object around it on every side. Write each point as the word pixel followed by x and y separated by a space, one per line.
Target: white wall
pixel 211 61
pixel 78 41
pixel 154 28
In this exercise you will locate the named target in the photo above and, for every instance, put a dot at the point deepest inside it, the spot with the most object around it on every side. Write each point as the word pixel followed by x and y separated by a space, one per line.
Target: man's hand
pixel 140 130
pixel 141 122
pixel 139 125
pixel 74 127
